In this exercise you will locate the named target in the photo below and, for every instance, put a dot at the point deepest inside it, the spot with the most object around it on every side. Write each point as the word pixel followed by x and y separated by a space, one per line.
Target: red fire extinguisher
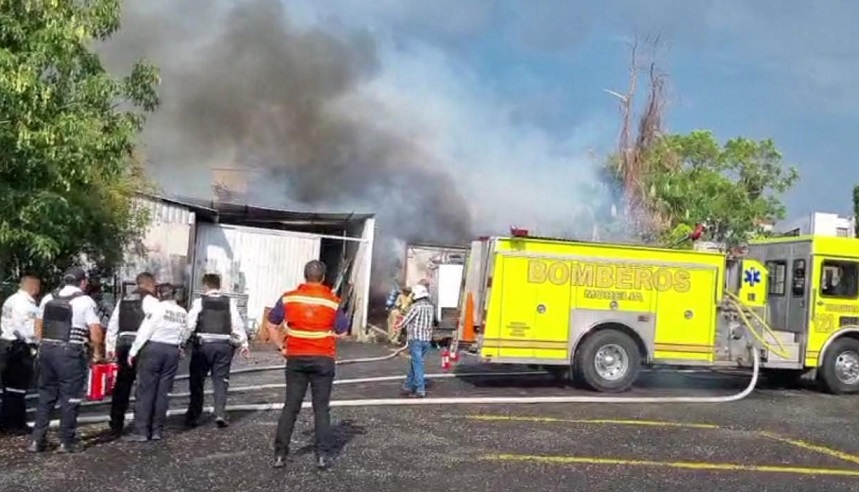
pixel 102 377
pixel 454 356
pixel 445 359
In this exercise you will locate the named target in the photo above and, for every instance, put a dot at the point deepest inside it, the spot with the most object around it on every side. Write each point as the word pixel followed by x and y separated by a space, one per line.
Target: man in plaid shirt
pixel 419 323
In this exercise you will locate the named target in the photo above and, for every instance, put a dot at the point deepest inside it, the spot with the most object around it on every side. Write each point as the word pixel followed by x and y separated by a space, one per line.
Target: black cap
pixel 74 275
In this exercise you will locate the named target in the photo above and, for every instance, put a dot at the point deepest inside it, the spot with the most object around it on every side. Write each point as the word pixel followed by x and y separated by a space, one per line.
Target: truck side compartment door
pixel 685 321
pixel 553 313
pixel 834 301
pixel 510 323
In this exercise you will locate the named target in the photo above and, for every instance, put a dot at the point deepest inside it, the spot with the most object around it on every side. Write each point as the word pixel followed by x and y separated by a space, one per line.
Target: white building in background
pixel 819 224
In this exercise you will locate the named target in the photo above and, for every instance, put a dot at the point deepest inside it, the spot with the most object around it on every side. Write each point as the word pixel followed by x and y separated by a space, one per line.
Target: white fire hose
pixel 281 366
pixel 474 400
pixel 374 379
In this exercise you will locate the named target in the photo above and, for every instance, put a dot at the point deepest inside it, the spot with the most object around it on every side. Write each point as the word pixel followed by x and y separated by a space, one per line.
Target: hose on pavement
pixel 280 367
pixel 479 400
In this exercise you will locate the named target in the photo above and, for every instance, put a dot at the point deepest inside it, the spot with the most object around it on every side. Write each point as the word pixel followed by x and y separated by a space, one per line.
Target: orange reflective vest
pixel 310 312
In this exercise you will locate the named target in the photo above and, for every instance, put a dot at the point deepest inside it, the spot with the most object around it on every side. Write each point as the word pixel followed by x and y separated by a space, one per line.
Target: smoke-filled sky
pixel 457 118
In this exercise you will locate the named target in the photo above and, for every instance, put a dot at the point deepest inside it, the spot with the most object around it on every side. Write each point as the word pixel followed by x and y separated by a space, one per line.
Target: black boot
pixel 36 447
pixel 67 448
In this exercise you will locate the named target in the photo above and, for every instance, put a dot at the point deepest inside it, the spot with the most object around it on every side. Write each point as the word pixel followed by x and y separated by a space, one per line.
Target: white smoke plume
pixel 330 118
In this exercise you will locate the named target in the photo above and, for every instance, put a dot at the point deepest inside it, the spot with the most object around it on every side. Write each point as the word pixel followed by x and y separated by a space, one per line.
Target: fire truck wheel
pixel 608 361
pixel 839 373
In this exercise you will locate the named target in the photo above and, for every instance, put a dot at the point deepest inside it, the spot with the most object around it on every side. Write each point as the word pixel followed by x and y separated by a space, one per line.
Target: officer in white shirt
pixel 122 328
pixel 156 350
pixel 217 329
pixel 17 347
pixel 69 323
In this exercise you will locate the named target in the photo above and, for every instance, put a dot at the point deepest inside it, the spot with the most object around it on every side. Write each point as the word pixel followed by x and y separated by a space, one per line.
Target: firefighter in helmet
pixel 399 309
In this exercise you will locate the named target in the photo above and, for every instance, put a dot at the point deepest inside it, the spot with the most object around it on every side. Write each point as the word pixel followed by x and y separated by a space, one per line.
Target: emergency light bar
pixel 516 232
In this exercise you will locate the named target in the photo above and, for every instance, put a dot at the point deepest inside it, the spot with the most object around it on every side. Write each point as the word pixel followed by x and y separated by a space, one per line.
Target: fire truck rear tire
pixel 837 373
pixel 602 351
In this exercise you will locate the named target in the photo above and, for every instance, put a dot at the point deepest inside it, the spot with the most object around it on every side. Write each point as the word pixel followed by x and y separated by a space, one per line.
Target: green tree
pixel 734 188
pixel 856 208
pixel 67 136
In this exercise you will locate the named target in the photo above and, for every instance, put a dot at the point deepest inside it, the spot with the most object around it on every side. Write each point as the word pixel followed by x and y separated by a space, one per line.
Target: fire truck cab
pixel 600 312
pixel 812 299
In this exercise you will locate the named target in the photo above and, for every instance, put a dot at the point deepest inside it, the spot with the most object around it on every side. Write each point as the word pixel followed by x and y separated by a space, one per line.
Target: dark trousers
pixel 16 372
pixel 318 372
pixel 155 372
pixel 124 382
pixel 214 357
pixel 62 376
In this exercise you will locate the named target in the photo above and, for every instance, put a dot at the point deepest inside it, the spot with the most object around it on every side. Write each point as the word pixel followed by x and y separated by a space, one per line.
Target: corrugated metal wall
pixel 163 249
pixel 261 263
pixel 361 278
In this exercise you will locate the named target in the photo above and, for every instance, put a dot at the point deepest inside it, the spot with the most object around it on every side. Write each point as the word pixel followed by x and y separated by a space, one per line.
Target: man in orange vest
pixel 310 313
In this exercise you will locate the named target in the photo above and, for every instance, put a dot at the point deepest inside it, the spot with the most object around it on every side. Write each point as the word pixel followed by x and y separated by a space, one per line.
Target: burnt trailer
pixel 442 267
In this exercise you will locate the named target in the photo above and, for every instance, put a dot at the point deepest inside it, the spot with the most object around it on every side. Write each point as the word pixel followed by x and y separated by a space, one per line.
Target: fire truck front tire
pixel 839 373
pixel 607 361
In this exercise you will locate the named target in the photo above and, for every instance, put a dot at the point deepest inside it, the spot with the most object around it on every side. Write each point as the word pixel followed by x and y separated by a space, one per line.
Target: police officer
pixel 217 330
pixel 121 330
pixel 17 347
pixel 69 324
pixel 157 349
pixel 310 313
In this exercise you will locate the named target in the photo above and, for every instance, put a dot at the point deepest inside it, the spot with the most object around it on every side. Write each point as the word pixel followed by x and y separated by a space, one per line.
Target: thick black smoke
pixel 242 87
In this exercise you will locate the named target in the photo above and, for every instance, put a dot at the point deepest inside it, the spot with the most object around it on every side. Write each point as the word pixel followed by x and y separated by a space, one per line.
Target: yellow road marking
pixel 683 465
pixel 807 446
pixel 816 448
pixel 643 423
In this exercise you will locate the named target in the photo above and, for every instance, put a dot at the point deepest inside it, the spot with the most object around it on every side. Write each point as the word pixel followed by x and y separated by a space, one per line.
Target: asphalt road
pixel 776 439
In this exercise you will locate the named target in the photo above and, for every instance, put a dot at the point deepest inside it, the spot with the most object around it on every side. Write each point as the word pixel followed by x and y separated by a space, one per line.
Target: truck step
pixel 784 336
pixel 791 349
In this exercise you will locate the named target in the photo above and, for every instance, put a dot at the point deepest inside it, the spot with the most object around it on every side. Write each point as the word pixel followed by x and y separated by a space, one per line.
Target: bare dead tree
pixel 632 164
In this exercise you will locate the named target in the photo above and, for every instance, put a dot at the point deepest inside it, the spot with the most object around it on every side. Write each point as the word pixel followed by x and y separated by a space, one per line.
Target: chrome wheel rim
pixel 847 367
pixel 611 362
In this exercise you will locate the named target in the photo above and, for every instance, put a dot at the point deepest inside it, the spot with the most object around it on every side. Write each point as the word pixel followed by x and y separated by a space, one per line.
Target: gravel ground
pixel 809 441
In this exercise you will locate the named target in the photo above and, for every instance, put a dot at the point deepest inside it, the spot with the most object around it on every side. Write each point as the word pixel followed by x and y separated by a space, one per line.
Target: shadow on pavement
pixel 342 434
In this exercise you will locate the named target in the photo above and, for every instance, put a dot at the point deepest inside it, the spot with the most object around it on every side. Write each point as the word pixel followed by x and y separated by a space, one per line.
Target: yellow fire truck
pixel 605 310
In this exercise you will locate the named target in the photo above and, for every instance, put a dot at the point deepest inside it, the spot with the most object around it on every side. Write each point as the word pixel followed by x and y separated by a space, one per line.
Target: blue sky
pixel 783 69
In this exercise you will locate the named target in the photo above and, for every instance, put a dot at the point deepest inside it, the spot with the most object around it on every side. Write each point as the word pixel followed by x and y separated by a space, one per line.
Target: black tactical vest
pixel 131 311
pixel 57 319
pixel 214 316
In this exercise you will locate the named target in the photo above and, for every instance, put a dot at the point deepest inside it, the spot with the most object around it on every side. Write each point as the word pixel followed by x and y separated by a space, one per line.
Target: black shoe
pixel 191 423
pixel 36 447
pixel 279 462
pixel 67 448
pixel 116 429
pixel 156 436
pixel 322 462
pixel 222 423
pixel 135 438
